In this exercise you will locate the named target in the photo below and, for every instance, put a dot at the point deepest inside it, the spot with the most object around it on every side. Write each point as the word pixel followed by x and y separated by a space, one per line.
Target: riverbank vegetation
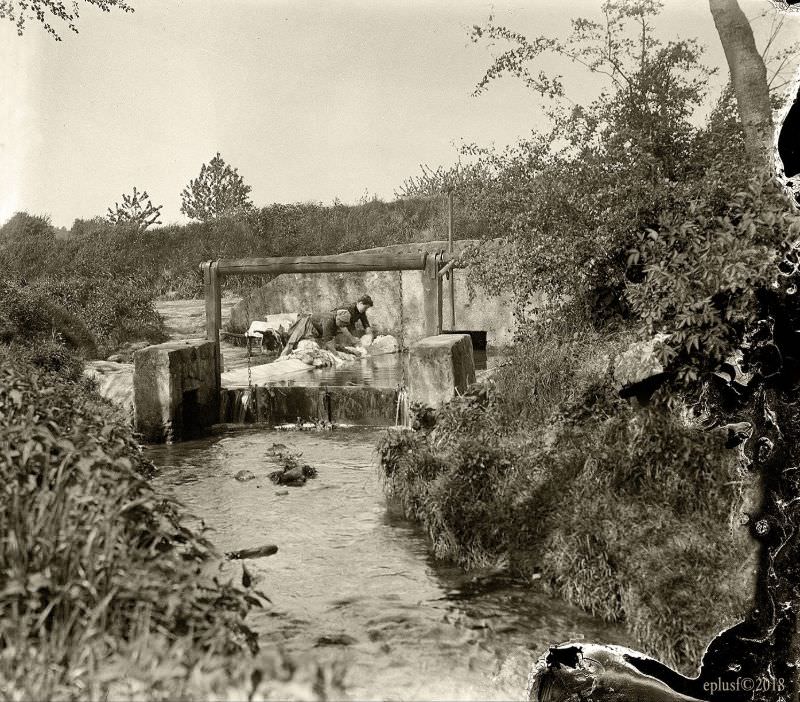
pixel 104 592
pixel 545 471
pixel 645 212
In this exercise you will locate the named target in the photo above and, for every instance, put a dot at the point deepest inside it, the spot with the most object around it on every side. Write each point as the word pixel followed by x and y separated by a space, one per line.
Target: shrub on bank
pixel 621 510
pixel 92 559
pixel 91 317
pixel 28 315
pixel 104 592
pixel 117 309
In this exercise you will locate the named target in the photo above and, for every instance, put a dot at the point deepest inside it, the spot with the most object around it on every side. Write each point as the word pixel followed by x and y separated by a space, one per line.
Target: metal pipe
pixel 445 269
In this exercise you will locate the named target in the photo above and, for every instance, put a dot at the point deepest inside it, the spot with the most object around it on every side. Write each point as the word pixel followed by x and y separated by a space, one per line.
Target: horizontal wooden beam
pixel 342 263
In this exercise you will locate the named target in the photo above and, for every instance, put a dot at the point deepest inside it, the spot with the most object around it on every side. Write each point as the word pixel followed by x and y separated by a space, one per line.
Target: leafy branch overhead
pixel 47 11
pixel 218 191
pixel 622 48
pixel 136 209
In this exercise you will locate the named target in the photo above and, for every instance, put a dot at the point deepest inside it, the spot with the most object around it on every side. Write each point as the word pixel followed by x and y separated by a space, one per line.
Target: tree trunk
pixel 748 77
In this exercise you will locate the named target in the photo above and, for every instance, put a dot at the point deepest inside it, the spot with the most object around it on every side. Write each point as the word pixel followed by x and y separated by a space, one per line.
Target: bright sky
pixel 309 100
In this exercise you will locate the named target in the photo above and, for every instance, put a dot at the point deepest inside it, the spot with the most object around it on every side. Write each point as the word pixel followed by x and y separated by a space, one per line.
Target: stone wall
pixel 303 292
pixel 439 368
pixel 175 389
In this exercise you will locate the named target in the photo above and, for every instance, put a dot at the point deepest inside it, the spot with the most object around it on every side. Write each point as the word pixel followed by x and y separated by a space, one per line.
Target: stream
pixel 353 581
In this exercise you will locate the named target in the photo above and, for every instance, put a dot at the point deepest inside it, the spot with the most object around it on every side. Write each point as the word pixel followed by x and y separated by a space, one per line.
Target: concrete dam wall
pixel 313 292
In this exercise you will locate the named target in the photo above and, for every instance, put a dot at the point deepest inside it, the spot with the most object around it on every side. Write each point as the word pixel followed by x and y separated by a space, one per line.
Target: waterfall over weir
pixel 363 393
pixel 320 405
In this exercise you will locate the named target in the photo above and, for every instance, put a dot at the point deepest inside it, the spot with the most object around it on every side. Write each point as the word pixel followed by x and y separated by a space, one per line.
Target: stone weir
pixel 276 405
pixel 176 395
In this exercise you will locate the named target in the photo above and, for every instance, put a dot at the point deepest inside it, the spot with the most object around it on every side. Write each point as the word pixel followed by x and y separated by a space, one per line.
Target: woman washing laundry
pixel 358 313
pixel 328 329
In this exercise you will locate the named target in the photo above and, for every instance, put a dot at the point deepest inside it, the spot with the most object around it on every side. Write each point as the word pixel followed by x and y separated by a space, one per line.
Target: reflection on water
pixel 353 581
pixel 384 371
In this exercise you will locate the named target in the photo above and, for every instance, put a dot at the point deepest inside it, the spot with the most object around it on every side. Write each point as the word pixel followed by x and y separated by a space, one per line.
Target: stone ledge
pixel 439 368
pixel 175 389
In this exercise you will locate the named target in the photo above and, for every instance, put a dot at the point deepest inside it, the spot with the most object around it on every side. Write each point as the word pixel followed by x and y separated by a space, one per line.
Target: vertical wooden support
pixel 213 296
pixel 432 296
pixel 451 276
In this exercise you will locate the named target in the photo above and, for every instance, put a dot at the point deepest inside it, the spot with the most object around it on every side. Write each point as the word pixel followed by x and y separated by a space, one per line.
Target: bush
pixel 553 361
pixel 117 309
pixel 90 317
pixel 29 316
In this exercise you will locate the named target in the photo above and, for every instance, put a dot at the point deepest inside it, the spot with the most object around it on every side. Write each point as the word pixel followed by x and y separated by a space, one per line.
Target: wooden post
pixel 450 251
pixel 213 314
pixel 432 296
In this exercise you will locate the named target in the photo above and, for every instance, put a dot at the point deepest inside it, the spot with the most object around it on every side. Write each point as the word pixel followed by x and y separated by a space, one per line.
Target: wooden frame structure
pixel 429 263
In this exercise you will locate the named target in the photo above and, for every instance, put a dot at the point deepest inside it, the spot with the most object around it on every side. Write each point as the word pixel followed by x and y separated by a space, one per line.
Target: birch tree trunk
pixel 748 77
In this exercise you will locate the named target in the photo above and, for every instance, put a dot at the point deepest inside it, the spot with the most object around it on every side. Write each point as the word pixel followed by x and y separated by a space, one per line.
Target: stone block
pixel 175 389
pixel 439 367
pixel 638 367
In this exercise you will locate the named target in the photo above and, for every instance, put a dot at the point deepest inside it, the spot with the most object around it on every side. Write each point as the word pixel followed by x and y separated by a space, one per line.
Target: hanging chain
pixel 249 369
pixel 402 334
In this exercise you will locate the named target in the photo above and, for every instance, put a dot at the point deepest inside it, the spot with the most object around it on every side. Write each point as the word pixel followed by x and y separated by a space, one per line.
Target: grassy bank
pixel 619 509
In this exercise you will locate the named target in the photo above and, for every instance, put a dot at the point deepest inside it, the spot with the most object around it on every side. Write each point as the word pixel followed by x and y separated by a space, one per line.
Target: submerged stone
pixel 244 475
pixel 336 640
pixel 255 552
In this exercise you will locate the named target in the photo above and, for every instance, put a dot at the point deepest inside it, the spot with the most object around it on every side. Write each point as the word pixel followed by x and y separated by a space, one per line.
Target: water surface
pixel 354 582
pixel 384 371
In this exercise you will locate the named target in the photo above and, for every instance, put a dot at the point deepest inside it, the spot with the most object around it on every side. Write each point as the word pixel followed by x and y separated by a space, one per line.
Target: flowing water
pixel 354 582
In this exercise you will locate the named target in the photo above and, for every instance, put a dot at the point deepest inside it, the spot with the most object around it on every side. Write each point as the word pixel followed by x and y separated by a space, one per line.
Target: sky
pixel 309 100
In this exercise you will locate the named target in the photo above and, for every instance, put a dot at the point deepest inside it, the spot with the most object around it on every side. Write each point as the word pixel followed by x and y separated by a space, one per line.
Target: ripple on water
pixel 354 582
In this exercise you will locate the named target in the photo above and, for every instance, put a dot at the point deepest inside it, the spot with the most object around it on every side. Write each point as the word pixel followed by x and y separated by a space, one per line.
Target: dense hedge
pixel 165 260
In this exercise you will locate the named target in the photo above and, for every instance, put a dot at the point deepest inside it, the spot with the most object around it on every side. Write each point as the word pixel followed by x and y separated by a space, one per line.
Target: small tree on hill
pixel 219 190
pixel 44 11
pixel 136 209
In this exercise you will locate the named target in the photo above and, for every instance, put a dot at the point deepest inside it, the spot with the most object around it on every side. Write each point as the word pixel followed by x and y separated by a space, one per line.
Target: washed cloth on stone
pixel 279 323
pixel 309 352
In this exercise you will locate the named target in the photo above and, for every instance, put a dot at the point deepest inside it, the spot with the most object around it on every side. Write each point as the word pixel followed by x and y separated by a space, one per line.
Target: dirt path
pixel 186 319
